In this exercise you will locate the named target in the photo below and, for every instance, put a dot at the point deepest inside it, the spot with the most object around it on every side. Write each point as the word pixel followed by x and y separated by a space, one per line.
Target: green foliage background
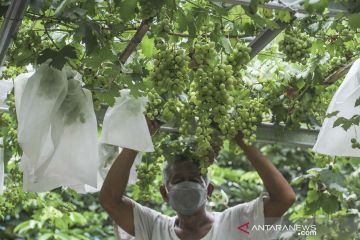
pixel 90 36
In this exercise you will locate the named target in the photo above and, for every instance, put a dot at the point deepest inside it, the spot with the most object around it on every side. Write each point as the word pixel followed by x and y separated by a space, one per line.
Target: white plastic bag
pixel 125 124
pixel 107 155
pixel 2 171
pixel 67 154
pixel 40 98
pixel 336 141
pixel 75 161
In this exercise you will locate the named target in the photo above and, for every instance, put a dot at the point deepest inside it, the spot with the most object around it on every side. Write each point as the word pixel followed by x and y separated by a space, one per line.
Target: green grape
pixel 153 106
pixel 187 119
pixel 161 29
pixel 245 118
pixel 296 46
pixel 210 95
pixel 170 109
pixel 338 61
pixel 238 58
pixel 170 74
pixel 204 52
pixel 147 171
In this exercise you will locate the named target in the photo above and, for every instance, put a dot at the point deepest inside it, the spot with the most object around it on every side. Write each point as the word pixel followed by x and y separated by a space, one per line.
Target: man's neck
pixel 194 222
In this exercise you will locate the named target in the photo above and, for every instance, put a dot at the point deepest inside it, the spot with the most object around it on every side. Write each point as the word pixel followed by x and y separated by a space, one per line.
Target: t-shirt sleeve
pixel 250 216
pixel 144 219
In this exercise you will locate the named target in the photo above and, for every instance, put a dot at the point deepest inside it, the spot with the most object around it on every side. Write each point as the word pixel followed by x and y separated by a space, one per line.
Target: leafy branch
pixel 135 41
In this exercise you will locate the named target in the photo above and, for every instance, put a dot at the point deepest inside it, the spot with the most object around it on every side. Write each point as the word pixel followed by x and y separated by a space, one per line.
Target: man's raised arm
pixel 282 196
pixel 112 192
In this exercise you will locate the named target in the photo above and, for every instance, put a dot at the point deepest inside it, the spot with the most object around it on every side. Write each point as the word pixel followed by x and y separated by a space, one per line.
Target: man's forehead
pixel 185 168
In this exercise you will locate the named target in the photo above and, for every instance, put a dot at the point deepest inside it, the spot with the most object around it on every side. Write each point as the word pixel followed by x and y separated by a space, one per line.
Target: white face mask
pixel 187 197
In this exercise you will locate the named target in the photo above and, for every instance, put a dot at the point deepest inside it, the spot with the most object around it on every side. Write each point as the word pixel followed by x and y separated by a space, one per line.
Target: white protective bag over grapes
pixel 125 126
pixel 107 155
pixel 57 130
pixel 2 171
pixel 335 141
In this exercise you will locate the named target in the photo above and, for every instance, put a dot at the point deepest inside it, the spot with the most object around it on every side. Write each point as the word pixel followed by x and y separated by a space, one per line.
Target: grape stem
pixel 135 41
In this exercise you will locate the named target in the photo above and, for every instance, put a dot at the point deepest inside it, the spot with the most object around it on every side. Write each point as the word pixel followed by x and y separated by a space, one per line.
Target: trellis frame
pixel 267 133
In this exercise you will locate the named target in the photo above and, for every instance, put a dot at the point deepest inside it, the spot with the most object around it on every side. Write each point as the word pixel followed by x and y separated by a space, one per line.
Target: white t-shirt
pixel 152 225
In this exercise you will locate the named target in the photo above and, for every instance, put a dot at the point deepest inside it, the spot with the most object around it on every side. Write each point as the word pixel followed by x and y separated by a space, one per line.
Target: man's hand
pixel 153 126
pixel 282 196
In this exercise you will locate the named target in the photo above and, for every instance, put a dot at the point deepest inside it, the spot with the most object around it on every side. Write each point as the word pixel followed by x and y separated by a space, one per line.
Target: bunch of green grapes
pixel 204 52
pixel 238 58
pixel 187 120
pixel 72 108
pixel 211 90
pixel 245 118
pixel 161 29
pixel 146 173
pixel 203 134
pixel 25 48
pixel 170 109
pixel 50 81
pixel 344 32
pixel 296 46
pixel 150 8
pixel 153 106
pixel 170 74
pixel 337 61
pixel 211 94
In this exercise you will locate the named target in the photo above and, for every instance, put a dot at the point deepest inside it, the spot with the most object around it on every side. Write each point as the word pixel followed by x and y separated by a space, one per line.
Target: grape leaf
pixel 127 9
pixel 46 54
pixel 58 57
pixel 318 6
pixel 88 37
pixel 332 114
pixel 327 176
pixel 329 204
pixel 147 46
pixel 283 15
pixel 68 51
pixel 357 102
pixel 36 5
pixel 354 20
pixel 343 122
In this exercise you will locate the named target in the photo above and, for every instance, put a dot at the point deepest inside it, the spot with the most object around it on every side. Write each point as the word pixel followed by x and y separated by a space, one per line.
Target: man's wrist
pixel 239 141
pixel 131 151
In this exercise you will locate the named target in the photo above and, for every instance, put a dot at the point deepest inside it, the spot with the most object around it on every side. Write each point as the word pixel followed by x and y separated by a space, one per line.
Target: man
pixel 186 190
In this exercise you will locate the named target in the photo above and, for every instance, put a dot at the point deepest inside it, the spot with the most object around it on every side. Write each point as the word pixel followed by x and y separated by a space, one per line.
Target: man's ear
pixel 164 193
pixel 210 189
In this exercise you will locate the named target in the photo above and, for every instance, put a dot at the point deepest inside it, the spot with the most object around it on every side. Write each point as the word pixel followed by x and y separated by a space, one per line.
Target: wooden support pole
pixel 342 71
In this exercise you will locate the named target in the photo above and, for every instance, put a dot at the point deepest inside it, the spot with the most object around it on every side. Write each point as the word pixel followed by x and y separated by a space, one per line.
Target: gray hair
pixel 180 158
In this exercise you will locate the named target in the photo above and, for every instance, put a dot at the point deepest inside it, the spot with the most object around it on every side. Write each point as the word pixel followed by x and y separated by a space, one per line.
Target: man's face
pixel 184 171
